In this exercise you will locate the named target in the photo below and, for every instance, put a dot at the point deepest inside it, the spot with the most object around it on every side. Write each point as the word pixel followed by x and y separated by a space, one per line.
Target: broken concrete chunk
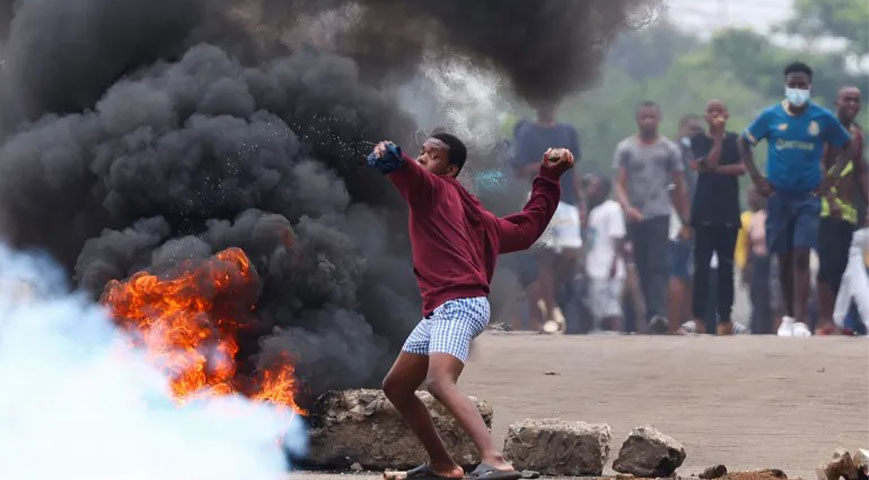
pixel 557 447
pixel 861 461
pixel 842 465
pixel 362 426
pixel 649 453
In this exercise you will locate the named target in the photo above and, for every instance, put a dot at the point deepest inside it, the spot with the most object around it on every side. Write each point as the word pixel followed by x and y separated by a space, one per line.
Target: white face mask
pixel 797 96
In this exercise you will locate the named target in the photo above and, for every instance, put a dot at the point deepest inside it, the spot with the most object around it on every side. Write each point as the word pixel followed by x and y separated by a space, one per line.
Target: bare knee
pixel 396 388
pixel 439 386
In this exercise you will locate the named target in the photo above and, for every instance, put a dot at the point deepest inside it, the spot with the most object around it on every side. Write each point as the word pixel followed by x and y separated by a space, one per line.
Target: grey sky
pixel 705 16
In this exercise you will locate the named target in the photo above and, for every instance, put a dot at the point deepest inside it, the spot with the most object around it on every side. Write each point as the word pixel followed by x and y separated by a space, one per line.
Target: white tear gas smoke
pixel 137 134
pixel 79 403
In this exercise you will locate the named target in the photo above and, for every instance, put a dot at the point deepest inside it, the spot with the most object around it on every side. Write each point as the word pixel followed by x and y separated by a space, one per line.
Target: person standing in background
pixel 796 131
pixel 839 211
pixel 855 282
pixel 715 216
pixel 757 269
pixel 648 164
pixel 605 262
pixel 679 298
pixel 553 264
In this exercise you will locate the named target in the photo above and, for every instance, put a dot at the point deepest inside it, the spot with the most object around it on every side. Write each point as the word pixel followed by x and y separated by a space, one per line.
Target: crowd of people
pixel 632 240
pixel 662 247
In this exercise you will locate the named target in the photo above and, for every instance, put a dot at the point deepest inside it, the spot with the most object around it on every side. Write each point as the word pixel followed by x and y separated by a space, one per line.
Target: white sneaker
pixel 550 327
pixel 555 324
pixel 801 330
pixel 786 329
pixel 559 319
pixel 740 329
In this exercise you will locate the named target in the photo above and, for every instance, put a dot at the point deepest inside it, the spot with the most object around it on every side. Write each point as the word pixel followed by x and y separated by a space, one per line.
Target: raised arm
pixel 520 230
pixel 713 158
pixel 710 161
pixel 412 181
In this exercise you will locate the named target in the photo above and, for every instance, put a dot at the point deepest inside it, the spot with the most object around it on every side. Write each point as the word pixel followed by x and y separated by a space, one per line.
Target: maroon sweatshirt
pixel 455 240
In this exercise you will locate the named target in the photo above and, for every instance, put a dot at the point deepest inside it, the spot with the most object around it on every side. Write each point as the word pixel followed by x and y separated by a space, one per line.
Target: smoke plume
pixel 138 134
pixel 80 404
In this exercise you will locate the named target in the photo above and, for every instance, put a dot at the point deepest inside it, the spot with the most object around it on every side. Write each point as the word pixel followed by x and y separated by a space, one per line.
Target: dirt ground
pixel 745 401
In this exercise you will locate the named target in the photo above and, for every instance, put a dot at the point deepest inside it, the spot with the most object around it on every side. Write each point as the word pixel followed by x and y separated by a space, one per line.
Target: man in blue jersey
pixel 796 132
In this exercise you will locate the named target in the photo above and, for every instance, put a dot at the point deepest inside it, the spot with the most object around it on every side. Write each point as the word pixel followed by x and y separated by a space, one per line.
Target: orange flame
pixel 278 386
pixel 188 324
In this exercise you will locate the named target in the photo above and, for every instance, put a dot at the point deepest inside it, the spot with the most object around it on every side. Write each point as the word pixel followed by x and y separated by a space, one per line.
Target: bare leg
pixel 676 303
pixel 687 303
pixel 535 317
pixel 400 384
pixel 786 275
pixel 443 372
pixel 546 281
pixel 802 284
pixel 826 301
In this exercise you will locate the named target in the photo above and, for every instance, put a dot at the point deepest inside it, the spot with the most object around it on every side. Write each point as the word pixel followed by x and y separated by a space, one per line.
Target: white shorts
pixel 605 297
pixel 450 328
pixel 563 230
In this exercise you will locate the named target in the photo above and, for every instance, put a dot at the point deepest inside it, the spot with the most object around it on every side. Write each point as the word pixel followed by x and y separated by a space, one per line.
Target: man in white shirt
pixel 855 282
pixel 605 263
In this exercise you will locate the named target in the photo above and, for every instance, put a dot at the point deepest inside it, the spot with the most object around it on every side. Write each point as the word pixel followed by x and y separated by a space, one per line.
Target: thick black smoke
pixel 141 133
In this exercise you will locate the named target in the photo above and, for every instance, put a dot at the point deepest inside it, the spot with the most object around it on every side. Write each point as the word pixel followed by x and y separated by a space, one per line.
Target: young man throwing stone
pixel 455 244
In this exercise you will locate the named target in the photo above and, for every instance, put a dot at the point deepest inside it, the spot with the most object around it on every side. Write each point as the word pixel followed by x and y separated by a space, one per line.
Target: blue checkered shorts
pixel 450 328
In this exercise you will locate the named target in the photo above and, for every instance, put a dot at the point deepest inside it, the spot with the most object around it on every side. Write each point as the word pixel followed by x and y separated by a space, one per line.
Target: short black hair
pixel 606 185
pixel 458 152
pixel 689 117
pixel 649 104
pixel 799 67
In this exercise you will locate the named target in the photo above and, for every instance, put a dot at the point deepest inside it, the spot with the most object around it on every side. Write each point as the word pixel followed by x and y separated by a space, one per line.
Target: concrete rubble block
pixel 557 447
pixel 842 465
pixel 861 461
pixel 649 453
pixel 361 426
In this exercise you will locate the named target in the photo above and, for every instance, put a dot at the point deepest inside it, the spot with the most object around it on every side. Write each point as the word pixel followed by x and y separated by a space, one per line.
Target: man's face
pixel 546 113
pixel 848 102
pixel 595 191
pixel 434 156
pixel 691 128
pixel 648 119
pixel 798 80
pixel 716 109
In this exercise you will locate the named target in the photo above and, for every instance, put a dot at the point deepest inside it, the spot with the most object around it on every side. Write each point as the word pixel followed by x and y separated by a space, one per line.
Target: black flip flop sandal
pixel 488 472
pixel 424 472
